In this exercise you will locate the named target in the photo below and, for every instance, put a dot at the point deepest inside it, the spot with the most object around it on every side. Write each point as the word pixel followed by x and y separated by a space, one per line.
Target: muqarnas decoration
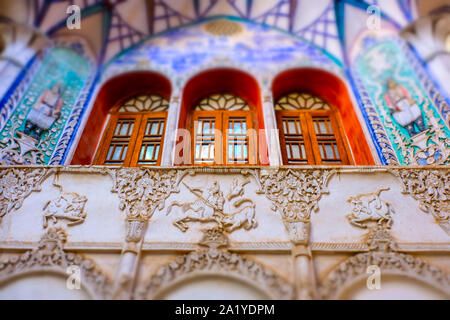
pixel 35 126
pixel 415 128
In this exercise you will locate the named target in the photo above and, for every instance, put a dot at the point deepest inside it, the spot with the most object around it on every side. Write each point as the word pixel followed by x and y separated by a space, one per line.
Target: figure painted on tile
pixel 44 112
pixel 404 109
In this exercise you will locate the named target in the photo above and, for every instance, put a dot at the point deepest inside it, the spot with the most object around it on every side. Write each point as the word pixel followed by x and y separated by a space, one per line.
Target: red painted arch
pixel 333 90
pixel 224 80
pixel 114 91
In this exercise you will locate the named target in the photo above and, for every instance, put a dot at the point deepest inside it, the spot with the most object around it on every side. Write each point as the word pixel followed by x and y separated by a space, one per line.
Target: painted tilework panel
pixel 64 68
pixel 415 128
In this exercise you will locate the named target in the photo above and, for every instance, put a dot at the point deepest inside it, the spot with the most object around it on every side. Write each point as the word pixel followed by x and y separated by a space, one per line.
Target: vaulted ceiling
pixel 112 26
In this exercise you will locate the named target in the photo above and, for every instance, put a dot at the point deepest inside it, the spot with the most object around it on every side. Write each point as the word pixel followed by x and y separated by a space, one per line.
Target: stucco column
pixel 171 129
pixel 271 130
pixel 304 275
pixel 129 259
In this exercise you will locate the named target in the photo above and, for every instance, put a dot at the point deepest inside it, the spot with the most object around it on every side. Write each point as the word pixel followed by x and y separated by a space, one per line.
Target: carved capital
pixel 294 193
pixel 142 191
pixel 298 231
pixel 135 230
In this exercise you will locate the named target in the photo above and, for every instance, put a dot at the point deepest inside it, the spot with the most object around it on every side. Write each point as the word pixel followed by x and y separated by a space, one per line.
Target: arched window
pixel 222 131
pixel 310 131
pixel 135 131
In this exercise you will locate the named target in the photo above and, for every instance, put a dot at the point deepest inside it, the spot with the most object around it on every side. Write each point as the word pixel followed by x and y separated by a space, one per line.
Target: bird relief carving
pixel 229 212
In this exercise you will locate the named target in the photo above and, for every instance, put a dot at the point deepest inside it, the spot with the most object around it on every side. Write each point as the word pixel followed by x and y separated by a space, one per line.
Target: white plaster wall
pixel 40 287
pixel 213 287
pixel 394 288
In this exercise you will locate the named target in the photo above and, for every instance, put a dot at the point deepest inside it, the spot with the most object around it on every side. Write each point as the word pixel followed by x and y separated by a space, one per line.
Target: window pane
pixel 329 151
pixel 237 127
pixel 292 127
pixel 197 151
pixel 149 152
pixel 211 151
pixel 205 151
pixel 237 140
pixel 124 129
pixel 295 151
pixel 238 151
pixel 206 127
pixel 204 145
pixel 336 151
pixel 110 150
pixel 154 128
pixel 117 153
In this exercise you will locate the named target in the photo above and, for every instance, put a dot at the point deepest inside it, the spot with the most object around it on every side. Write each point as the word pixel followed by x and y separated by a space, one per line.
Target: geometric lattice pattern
pixel 222 102
pixel 145 103
pixel 321 30
pixel 298 101
pixel 120 31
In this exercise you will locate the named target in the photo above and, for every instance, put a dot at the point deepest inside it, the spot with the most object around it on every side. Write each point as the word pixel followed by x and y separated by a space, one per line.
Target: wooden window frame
pixel 310 139
pixel 134 146
pixel 221 136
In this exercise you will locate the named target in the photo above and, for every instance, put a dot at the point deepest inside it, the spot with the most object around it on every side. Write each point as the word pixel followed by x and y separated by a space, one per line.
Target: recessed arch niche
pixel 221 81
pixel 208 286
pixel 393 287
pixel 113 92
pixel 40 286
pixel 333 90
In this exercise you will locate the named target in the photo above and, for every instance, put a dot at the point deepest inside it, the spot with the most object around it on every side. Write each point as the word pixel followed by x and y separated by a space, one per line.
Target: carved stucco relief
pixel 17 184
pixel 230 212
pixel 432 189
pixel 382 255
pixel 50 256
pixel 215 260
pixel 68 206
pixel 142 191
pixel 294 194
pixel 368 207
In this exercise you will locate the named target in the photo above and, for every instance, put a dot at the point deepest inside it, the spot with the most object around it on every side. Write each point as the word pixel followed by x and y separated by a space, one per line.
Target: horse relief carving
pixel 68 206
pixel 211 205
pixel 368 207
